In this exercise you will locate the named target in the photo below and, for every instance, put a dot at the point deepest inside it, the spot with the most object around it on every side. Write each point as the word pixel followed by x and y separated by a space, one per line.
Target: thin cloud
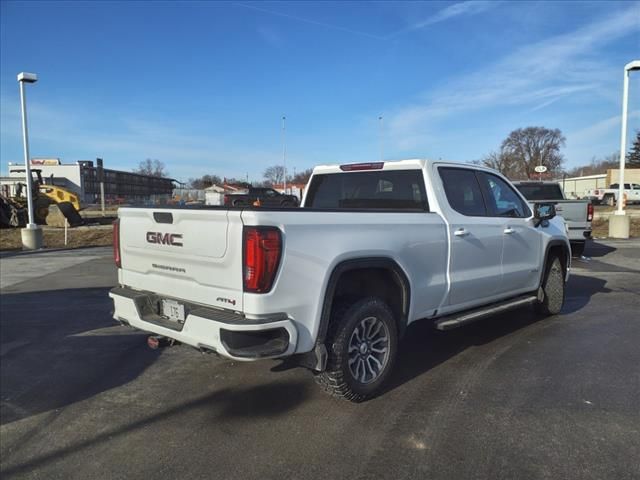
pixel 537 74
pixel 461 9
pixel 600 129
pixel 68 136
pixel 309 21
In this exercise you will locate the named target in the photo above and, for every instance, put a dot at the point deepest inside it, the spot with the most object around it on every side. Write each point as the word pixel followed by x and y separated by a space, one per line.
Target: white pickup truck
pixel 334 284
pixel 609 196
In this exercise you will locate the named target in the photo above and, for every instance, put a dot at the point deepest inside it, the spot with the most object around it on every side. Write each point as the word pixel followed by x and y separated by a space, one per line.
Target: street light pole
pixel 635 65
pixel 619 223
pixel 32 235
pixel 380 120
pixel 284 152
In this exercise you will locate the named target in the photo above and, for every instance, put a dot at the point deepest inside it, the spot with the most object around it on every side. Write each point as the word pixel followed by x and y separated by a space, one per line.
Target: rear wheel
pixel 362 347
pixel 552 288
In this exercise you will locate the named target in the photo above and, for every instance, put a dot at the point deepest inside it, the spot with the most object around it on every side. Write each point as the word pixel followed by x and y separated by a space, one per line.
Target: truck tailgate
pixel 186 254
pixel 572 210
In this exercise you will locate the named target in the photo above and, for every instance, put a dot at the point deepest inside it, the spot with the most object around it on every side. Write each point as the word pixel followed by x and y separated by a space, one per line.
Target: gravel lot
pixel 510 397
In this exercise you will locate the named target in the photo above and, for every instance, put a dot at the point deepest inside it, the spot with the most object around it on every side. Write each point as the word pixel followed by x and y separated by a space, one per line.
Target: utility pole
pixel 100 175
pixel 380 120
pixel 284 151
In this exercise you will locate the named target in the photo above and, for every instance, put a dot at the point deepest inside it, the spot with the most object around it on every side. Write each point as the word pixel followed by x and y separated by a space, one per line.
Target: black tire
pixel 577 248
pixel 553 288
pixel 348 319
pixel 239 203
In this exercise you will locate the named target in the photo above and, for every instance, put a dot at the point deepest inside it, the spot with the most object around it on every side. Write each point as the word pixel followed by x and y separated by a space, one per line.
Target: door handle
pixel 509 230
pixel 461 232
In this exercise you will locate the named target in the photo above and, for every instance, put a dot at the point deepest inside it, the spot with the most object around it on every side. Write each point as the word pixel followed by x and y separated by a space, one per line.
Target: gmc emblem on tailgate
pixel 174 239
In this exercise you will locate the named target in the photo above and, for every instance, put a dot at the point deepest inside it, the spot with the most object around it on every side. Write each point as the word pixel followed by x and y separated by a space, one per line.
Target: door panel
pixel 476 240
pixel 521 254
pixel 476 269
pixel 522 243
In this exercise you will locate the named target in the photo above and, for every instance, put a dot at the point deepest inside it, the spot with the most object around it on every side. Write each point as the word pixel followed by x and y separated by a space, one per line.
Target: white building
pixel 82 179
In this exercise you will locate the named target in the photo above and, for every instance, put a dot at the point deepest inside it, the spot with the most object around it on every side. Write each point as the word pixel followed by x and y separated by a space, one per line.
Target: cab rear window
pixel 380 189
pixel 540 191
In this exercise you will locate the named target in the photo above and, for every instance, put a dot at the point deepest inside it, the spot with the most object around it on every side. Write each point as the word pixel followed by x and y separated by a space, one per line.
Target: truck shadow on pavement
pixel 595 249
pixel 424 347
pixel 59 347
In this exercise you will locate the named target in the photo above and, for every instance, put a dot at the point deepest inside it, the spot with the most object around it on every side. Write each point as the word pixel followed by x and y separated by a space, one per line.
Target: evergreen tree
pixel 633 157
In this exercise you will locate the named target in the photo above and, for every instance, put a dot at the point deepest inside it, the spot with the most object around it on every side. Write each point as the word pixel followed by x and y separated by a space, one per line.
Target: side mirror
pixel 543 212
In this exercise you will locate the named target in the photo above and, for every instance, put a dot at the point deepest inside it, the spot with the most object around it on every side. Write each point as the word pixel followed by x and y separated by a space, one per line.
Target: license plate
pixel 173 310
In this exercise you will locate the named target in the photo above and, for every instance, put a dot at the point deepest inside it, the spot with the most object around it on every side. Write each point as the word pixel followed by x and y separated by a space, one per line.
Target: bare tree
pixel 597 166
pixel 505 163
pixel 302 177
pixel 533 146
pixel 274 175
pixel 153 168
pixel 205 181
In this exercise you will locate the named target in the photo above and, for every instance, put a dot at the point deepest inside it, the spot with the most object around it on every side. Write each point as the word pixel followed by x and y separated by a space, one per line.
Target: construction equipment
pixel 43 195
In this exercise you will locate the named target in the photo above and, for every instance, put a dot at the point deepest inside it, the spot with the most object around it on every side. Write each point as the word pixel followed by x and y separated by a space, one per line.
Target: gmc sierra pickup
pixel 334 284
pixel 577 213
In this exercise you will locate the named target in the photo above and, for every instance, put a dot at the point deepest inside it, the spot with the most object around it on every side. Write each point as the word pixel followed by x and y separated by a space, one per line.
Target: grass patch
pixel 94 236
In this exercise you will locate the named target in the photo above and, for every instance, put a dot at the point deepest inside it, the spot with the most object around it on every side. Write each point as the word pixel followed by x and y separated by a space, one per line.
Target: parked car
pixel 266 197
pixel 609 196
pixel 577 213
pixel 333 285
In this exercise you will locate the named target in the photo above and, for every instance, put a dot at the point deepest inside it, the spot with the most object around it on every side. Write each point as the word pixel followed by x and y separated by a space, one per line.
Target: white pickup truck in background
pixel 609 196
pixel 577 213
pixel 334 284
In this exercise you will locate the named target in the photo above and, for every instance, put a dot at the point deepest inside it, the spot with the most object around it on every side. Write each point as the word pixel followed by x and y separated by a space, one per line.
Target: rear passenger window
pixel 463 191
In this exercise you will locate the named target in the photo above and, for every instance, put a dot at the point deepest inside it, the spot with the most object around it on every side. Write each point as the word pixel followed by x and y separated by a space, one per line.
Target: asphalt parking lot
pixel 514 396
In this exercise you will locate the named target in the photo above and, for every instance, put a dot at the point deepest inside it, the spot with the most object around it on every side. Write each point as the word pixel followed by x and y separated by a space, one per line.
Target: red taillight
pixel 116 243
pixel 362 166
pixel 262 247
pixel 589 212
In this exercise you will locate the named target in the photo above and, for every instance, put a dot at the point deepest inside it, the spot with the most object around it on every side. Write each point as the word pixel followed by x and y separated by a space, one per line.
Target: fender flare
pixel 385 263
pixel 567 253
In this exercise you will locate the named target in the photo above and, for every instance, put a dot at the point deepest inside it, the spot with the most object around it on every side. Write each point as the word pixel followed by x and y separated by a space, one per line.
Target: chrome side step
pixel 463 318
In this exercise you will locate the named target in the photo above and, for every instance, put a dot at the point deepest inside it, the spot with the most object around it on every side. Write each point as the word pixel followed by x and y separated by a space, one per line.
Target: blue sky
pixel 202 86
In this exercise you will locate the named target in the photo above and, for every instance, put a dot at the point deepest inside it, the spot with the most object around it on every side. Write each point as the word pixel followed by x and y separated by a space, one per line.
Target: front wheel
pixel 362 345
pixel 552 288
